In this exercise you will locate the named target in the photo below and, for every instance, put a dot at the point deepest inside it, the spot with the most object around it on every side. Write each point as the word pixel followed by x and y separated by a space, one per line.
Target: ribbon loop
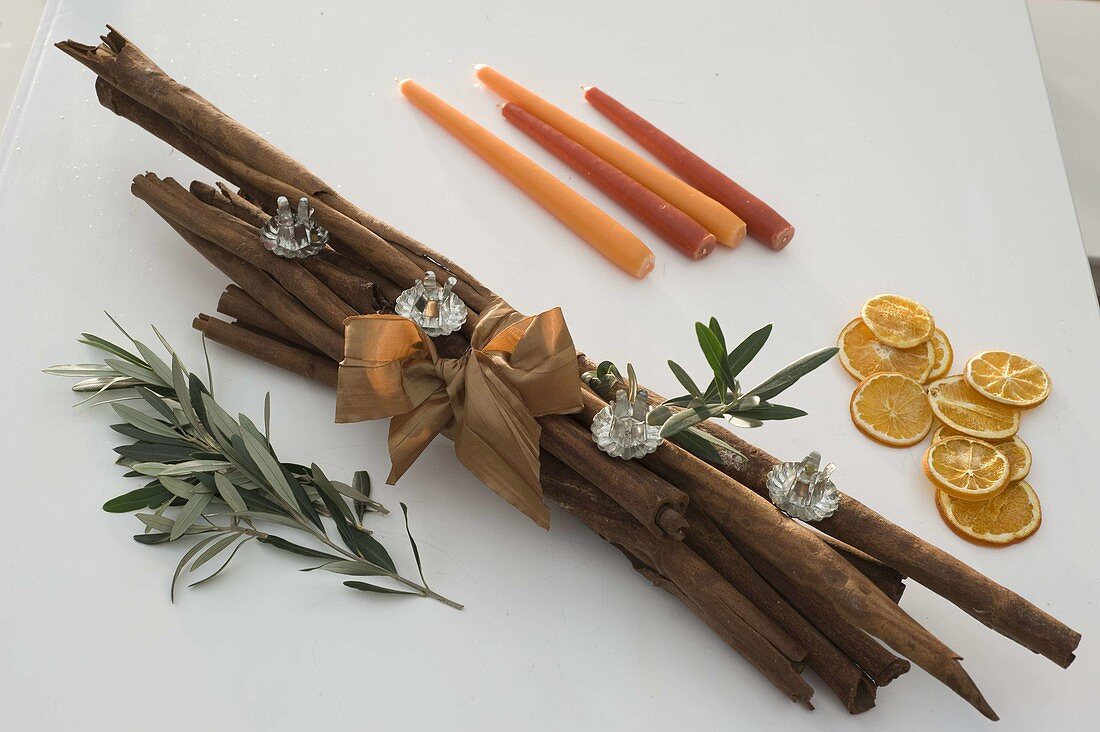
pixel 518 368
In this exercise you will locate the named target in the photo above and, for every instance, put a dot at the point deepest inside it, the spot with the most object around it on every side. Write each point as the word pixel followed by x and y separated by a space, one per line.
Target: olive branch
pixel 216 478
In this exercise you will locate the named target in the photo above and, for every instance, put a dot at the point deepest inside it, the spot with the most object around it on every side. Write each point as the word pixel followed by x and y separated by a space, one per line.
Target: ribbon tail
pixel 412 432
pixel 498 441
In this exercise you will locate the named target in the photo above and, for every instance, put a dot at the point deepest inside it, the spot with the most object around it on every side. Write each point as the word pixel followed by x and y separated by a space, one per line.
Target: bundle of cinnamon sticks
pixel 783 595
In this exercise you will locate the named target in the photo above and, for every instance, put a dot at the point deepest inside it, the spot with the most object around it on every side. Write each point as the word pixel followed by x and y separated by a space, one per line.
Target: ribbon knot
pixel 516 369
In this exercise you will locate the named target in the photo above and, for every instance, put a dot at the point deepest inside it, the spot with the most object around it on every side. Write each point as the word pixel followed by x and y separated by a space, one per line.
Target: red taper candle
pixel 762 220
pixel 674 226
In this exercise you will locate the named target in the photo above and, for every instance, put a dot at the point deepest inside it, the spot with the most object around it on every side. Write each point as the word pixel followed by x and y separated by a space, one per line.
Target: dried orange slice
pixel 943 355
pixel 863 355
pixel 1007 378
pixel 961 407
pixel 891 409
pixel 1019 457
pixel 1015 449
pixel 1010 516
pixel 898 321
pixel 966 468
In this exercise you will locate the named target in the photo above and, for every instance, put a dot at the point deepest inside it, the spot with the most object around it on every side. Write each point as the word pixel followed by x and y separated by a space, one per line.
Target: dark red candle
pixel 762 220
pixel 674 226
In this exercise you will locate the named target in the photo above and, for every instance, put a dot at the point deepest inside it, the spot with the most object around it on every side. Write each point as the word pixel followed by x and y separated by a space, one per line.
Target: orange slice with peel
pixel 863 355
pixel 1008 379
pixel 962 408
pixel 891 409
pixel 1009 517
pixel 966 468
pixel 942 354
pixel 1015 449
pixel 898 321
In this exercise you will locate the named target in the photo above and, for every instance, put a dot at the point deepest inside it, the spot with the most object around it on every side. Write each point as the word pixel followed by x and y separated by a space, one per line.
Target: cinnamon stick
pixel 806 560
pixel 313 366
pixel 879 663
pixel 840 671
pixel 854 523
pixel 172 201
pixel 236 303
pixel 656 504
pixel 268 293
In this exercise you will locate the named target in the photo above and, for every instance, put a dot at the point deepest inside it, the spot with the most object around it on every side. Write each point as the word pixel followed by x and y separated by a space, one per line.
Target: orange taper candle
pixel 607 236
pixel 716 218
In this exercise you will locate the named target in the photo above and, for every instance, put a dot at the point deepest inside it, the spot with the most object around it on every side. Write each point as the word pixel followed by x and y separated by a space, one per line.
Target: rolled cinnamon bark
pixel 313 366
pixel 761 219
pixel 879 663
pixel 654 503
pixel 810 563
pixel 888 579
pixel 355 292
pixel 236 303
pixel 264 290
pixel 172 201
pixel 840 672
pixel 672 224
pixel 124 66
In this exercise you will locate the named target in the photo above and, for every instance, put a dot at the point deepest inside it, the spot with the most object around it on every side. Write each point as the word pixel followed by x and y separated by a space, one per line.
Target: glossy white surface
pixel 910 143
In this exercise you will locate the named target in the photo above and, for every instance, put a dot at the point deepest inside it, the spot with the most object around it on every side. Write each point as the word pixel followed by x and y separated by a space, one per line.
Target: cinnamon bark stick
pixel 888 579
pixel 236 303
pixel 811 564
pixel 268 293
pixel 862 527
pixel 313 366
pixel 172 201
pixel 878 662
pixel 840 672
pixel 656 504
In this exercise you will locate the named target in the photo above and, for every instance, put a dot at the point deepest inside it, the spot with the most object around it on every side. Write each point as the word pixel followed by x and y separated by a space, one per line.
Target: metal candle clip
pixel 804 489
pixel 621 428
pixel 294 236
pixel 436 309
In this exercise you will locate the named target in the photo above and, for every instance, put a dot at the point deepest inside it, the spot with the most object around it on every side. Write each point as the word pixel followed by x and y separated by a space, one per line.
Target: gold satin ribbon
pixel 516 369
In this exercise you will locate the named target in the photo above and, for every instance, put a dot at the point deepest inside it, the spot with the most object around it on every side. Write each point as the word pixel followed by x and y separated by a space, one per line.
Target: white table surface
pixel 910 143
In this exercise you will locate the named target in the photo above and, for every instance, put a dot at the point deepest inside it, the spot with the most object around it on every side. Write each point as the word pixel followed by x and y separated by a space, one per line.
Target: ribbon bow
pixel 516 369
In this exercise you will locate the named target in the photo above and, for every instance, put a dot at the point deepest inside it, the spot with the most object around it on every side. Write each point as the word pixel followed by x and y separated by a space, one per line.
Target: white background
pixel 910 143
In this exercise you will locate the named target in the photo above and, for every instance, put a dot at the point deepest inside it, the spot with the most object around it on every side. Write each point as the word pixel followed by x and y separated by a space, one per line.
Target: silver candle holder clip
pixel 621 429
pixel 804 489
pixel 293 235
pixel 434 307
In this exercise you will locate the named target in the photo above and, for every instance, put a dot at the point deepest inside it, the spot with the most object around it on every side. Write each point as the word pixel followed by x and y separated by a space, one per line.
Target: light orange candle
pixel 607 236
pixel 715 218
